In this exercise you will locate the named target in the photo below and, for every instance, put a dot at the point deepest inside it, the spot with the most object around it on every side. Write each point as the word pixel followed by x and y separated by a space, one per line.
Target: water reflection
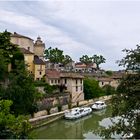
pixel 83 128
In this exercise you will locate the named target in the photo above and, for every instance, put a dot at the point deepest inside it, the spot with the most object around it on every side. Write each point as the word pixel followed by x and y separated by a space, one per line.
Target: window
pixel 65 81
pixel 76 88
pixel 76 82
pixel 52 81
pixel 37 79
pixel 58 81
pixel 28 48
pixel 40 72
pixel 81 88
pixel 55 81
pixel 81 81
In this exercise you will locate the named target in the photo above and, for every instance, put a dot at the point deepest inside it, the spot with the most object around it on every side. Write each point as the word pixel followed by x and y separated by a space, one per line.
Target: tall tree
pixel 54 55
pixel 126 103
pixel 86 60
pixel 98 60
pixel 19 86
pixel 67 59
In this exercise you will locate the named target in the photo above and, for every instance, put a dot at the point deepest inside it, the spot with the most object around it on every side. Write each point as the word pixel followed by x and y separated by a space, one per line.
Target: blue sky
pixel 78 27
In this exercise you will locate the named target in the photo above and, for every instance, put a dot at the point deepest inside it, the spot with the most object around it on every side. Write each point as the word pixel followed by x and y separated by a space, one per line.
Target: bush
pixel 92 89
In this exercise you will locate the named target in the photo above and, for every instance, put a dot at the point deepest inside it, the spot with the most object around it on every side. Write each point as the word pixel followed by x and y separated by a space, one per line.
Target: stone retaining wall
pixel 41 118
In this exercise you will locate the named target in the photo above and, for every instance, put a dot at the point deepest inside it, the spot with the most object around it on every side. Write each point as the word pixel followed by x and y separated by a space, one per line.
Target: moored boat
pixel 98 105
pixel 77 112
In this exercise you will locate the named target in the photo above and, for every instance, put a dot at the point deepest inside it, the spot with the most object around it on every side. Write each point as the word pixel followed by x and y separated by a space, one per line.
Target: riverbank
pixel 42 120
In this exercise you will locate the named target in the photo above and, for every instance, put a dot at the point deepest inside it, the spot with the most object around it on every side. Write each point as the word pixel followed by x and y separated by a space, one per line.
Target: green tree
pixel 12 127
pixel 109 73
pixel 54 55
pixel 126 103
pixel 109 90
pixel 92 89
pixel 49 89
pixel 98 60
pixel 67 59
pixel 3 67
pixel 19 85
pixel 86 60
pixel 22 92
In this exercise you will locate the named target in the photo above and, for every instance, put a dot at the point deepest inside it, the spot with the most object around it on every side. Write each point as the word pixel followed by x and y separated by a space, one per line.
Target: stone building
pixel 72 81
pixel 33 54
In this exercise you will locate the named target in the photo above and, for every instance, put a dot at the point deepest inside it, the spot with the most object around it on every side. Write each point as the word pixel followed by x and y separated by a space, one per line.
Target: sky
pixel 78 27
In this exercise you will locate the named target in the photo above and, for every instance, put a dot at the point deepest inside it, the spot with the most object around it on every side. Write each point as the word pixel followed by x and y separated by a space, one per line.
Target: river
pixel 83 128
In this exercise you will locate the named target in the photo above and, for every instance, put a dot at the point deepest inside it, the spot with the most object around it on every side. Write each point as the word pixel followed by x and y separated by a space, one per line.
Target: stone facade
pixel 33 54
pixel 23 41
pixel 39 48
pixel 73 82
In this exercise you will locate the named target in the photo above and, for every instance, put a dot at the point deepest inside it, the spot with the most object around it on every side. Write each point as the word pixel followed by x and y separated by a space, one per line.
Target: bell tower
pixel 39 48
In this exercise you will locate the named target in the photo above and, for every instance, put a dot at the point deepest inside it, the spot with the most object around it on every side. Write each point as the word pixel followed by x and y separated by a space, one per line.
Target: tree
pixel 98 60
pixel 67 59
pixel 86 60
pixel 22 92
pixel 109 73
pixel 19 85
pixel 54 55
pixel 109 90
pixel 126 103
pixel 3 67
pixel 12 127
pixel 92 89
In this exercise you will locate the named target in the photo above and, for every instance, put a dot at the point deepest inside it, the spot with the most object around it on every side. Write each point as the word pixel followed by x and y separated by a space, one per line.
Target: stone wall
pixel 42 118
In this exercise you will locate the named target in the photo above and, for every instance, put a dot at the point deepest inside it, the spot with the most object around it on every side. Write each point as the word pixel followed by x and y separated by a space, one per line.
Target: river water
pixel 83 128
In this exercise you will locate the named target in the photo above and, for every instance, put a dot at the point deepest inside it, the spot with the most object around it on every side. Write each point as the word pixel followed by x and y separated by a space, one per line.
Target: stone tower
pixel 39 48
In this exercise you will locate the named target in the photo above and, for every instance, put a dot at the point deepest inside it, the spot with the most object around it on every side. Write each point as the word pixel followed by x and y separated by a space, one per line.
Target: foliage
pixel 126 103
pixel 92 89
pixel 19 85
pixel 67 59
pixel 3 67
pixel 132 59
pixel 109 73
pixel 22 92
pixel 49 89
pixel 98 60
pixel 54 55
pixel 109 90
pixel 86 60
pixel 12 127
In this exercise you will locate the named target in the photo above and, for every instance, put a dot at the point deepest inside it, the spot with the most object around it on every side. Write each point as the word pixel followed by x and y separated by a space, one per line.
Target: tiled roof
pixel 39 61
pixel 25 51
pixel 70 75
pixel 52 73
pixel 104 79
pixel 20 36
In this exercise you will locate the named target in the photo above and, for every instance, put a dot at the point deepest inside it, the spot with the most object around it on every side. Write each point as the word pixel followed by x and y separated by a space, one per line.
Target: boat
pixel 77 112
pixel 128 136
pixel 98 105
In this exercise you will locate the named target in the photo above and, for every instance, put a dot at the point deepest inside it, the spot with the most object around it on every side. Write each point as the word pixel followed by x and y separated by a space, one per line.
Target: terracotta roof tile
pixel 105 79
pixel 52 73
pixel 71 75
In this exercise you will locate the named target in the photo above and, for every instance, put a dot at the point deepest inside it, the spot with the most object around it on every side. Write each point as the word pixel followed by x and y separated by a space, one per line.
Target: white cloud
pixel 78 27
